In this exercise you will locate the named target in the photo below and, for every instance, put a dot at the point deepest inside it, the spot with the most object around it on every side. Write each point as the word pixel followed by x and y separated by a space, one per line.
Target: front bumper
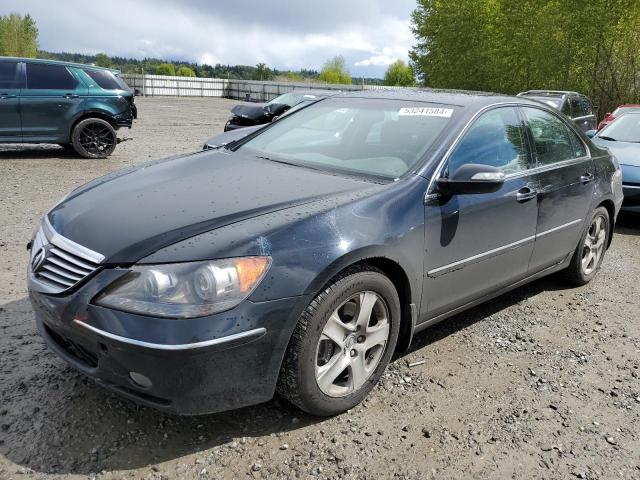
pixel 196 366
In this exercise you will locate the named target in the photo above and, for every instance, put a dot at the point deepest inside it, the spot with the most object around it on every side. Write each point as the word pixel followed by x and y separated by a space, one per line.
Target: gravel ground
pixel 541 383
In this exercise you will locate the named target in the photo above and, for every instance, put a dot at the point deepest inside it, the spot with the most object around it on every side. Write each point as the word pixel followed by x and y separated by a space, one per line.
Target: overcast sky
pixel 287 34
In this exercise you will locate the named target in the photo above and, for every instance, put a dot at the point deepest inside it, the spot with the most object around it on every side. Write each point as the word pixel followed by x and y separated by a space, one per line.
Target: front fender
pixel 309 244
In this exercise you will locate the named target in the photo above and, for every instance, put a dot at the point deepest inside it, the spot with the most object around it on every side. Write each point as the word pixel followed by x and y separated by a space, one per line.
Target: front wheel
pixel 589 254
pixel 94 138
pixel 342 343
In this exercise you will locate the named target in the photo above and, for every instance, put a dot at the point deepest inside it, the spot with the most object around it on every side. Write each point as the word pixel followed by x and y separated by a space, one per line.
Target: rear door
pixel 566 183
pixel 476 244
pixel 10 86
pixel 52 97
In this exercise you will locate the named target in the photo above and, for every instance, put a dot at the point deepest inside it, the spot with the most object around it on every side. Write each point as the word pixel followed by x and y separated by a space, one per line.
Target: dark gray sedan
pixel 302 256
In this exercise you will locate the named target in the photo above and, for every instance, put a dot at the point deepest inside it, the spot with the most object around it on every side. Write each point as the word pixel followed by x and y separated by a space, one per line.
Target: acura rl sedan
pixel 299 258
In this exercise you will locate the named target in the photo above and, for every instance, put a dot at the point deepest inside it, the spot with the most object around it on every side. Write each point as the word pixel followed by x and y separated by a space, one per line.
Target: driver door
pixel 478 243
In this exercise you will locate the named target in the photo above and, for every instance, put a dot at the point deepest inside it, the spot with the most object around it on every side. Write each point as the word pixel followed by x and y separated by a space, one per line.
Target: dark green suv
pixel 76 106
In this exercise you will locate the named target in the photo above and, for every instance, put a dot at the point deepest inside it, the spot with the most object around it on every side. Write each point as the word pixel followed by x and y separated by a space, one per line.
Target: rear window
pixel 9 75
pixel 106 79
pixel 49 77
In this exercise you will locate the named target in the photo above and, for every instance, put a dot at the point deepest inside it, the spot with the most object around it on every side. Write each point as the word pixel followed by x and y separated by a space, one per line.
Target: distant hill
pixel 241 72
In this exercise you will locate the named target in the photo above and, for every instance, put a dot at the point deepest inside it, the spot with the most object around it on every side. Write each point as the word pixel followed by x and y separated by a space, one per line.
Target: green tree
pixel 506 46
pixel 102 60
pixel 166 69
pixel 18 36
pixel 185 71
pixel 399 74
pixel 262 72
pixel 335 71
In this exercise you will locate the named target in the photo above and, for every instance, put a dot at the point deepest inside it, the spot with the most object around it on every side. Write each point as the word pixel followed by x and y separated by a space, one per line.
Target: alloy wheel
pixel 352 344
pixel 594 244
pixel 96 138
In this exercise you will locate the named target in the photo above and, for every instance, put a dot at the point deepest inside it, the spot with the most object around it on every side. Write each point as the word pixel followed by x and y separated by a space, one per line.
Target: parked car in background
pixel 574 105
pixel 76 106
pixel 610 117
pixel 300 258
pixel 248 115
pixel 622 138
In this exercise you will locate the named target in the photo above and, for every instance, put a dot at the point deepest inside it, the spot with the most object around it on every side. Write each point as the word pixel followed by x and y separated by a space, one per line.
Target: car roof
pixel 629 105
pixel 56 62
pixel 550 93
pixel 459 98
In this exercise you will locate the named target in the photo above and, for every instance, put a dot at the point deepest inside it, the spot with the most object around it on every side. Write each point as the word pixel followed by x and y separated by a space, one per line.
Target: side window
pixel 494 139
pixel 9 75
pixel 553 140
pixel 49 77
pixel 585 106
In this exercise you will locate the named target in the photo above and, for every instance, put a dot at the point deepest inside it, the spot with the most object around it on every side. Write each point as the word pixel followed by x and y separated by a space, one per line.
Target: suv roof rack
pixel 548 92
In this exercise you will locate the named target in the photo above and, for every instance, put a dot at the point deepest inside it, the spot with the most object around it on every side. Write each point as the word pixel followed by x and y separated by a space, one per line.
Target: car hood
pixel 260 112
pixel 128 216
pixel 626 153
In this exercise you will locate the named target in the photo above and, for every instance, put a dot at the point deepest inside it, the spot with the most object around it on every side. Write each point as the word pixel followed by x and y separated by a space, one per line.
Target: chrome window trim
pixel 625 185
pixel 549 167
pixel 496 251
pixel 69 245
pixel 256 332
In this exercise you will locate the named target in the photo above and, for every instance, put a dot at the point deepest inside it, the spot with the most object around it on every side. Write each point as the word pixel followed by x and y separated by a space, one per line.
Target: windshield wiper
pixel 604 137
pixel 277 160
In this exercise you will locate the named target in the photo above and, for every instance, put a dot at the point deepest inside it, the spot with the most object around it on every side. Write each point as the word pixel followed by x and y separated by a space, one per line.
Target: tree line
pixel 504 46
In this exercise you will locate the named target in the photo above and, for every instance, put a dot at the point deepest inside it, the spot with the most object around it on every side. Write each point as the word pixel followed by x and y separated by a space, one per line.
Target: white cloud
pixel 377 61
pixel 369 33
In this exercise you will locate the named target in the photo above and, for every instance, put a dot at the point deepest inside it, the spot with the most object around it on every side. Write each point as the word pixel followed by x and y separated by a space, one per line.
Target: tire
pixel 312 359
pixel 94 138
pixel 589 253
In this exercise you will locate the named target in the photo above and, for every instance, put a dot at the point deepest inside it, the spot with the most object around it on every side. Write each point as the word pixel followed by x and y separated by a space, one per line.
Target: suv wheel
pixel 342 343
pixel 590 252
pixel 94 138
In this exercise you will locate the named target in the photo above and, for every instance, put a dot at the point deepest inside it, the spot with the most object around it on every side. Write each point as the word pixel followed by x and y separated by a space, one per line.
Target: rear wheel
pixel 589 254
pixel 342 343
pixel 94 138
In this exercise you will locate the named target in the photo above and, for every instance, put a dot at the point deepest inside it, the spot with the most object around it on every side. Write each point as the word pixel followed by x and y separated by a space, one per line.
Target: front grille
pixel 61 269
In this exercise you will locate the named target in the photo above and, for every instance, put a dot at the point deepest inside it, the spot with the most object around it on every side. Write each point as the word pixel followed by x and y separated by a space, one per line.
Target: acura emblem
pixel 38 258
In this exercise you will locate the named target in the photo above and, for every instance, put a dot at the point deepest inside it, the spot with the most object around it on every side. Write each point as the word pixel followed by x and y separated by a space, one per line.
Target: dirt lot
pixel 541 383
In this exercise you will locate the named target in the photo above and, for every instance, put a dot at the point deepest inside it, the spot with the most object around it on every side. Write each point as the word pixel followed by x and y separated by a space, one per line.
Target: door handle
pixel 587 178
pixel 70 95
pixel 526 194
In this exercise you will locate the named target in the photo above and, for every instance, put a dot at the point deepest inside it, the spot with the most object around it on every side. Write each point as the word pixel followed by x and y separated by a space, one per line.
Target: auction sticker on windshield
pixel 426 111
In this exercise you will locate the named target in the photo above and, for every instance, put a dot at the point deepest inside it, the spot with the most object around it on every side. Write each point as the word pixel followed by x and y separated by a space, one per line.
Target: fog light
pixel 140 380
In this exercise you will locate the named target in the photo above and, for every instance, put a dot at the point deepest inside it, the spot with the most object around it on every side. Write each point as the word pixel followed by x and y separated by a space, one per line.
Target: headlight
pixel 185 290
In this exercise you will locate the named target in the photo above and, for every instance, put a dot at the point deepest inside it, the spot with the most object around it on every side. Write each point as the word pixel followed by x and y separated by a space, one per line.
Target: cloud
pixel 285 34
pixel 376 60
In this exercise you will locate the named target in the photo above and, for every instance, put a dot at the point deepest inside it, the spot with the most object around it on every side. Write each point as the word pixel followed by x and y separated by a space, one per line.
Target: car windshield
pixel 291 99
pixel 377 137
pixel 624 129
pixel 551 101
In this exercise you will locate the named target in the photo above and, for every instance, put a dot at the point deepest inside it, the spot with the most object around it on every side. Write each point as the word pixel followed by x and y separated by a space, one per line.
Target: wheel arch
pixel 611 209
pixel 101 114
pixel 392 268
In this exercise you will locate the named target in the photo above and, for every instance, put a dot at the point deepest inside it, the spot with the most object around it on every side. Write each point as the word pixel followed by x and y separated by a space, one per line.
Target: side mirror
pixel 591 133
pixel 471 178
